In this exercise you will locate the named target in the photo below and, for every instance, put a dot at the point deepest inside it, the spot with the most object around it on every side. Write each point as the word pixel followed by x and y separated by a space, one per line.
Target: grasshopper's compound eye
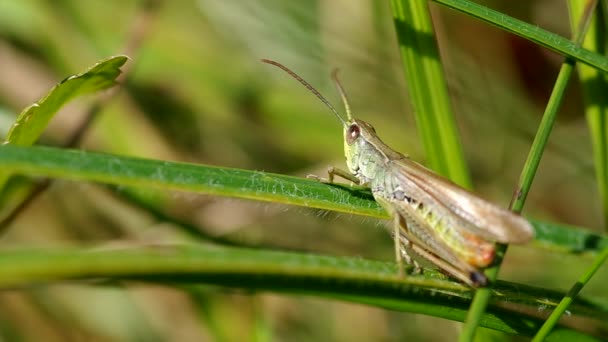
pixel 352 133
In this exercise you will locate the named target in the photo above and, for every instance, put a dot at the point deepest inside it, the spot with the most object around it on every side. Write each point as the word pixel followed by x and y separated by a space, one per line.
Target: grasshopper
pixel 433 217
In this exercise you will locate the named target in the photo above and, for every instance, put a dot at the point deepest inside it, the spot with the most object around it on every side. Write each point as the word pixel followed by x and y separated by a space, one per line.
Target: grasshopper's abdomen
pixel 465 245
pixel 434 232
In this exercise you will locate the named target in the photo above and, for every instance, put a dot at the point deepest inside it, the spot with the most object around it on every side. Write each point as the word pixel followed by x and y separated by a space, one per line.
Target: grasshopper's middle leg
pixel 400 240
pixel 399 256
pixel 332 172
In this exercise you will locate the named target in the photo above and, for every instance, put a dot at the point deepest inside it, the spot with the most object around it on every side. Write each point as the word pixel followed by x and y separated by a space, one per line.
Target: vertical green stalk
pixel 262 329
pixel 563 305
pixel 482 296
pixel 542 136
pixel 428 89
pixel 594 86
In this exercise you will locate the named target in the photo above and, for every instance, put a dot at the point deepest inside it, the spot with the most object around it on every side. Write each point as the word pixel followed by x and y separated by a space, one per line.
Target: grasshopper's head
pixel 356 135
pixel 356 132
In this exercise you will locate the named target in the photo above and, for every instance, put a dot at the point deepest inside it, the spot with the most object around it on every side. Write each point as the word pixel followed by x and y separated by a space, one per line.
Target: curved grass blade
pixel 352 279
pixel 531 32
pixel 254 185
pixel 32 121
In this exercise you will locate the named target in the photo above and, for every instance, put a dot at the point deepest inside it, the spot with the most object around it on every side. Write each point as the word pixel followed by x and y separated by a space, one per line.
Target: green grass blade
pixel 567 239
pixel 533 33
pixel 569 298
pixel 112 169
pixel 428 89
pixel 542 136
pixel 262 186
pixel 482 296
pixel 595 88
pixel 32 121
pixel 352 279
pixel 595 114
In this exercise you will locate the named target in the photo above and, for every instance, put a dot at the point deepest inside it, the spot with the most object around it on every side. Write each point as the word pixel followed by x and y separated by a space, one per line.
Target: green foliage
pixel 561 45
pixel 32 121
pixel 267 137
pixel 429 90
pixel 254 185
pixel 355 280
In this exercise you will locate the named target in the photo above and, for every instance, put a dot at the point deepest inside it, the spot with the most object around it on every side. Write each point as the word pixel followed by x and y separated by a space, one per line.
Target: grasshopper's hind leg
pixel 401 243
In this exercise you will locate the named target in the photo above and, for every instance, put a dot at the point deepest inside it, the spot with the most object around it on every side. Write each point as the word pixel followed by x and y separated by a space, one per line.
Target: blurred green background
pixel 196 91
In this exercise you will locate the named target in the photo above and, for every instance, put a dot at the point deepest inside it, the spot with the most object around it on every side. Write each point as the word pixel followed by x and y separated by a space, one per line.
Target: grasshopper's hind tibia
pixel 473 278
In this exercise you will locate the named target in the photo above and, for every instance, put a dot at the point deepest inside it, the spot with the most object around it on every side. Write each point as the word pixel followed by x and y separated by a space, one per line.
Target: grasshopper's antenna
pixel 311 88
pixel 334 75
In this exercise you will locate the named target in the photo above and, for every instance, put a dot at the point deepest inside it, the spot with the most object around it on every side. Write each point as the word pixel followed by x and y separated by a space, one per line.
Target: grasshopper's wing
pixel 464 208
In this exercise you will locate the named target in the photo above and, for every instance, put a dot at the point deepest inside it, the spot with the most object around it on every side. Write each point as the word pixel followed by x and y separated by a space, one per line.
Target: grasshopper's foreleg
pixel 332 172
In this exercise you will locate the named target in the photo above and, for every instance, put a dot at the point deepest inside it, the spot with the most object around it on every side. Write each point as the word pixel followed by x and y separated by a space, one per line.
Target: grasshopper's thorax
pixel 366 155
